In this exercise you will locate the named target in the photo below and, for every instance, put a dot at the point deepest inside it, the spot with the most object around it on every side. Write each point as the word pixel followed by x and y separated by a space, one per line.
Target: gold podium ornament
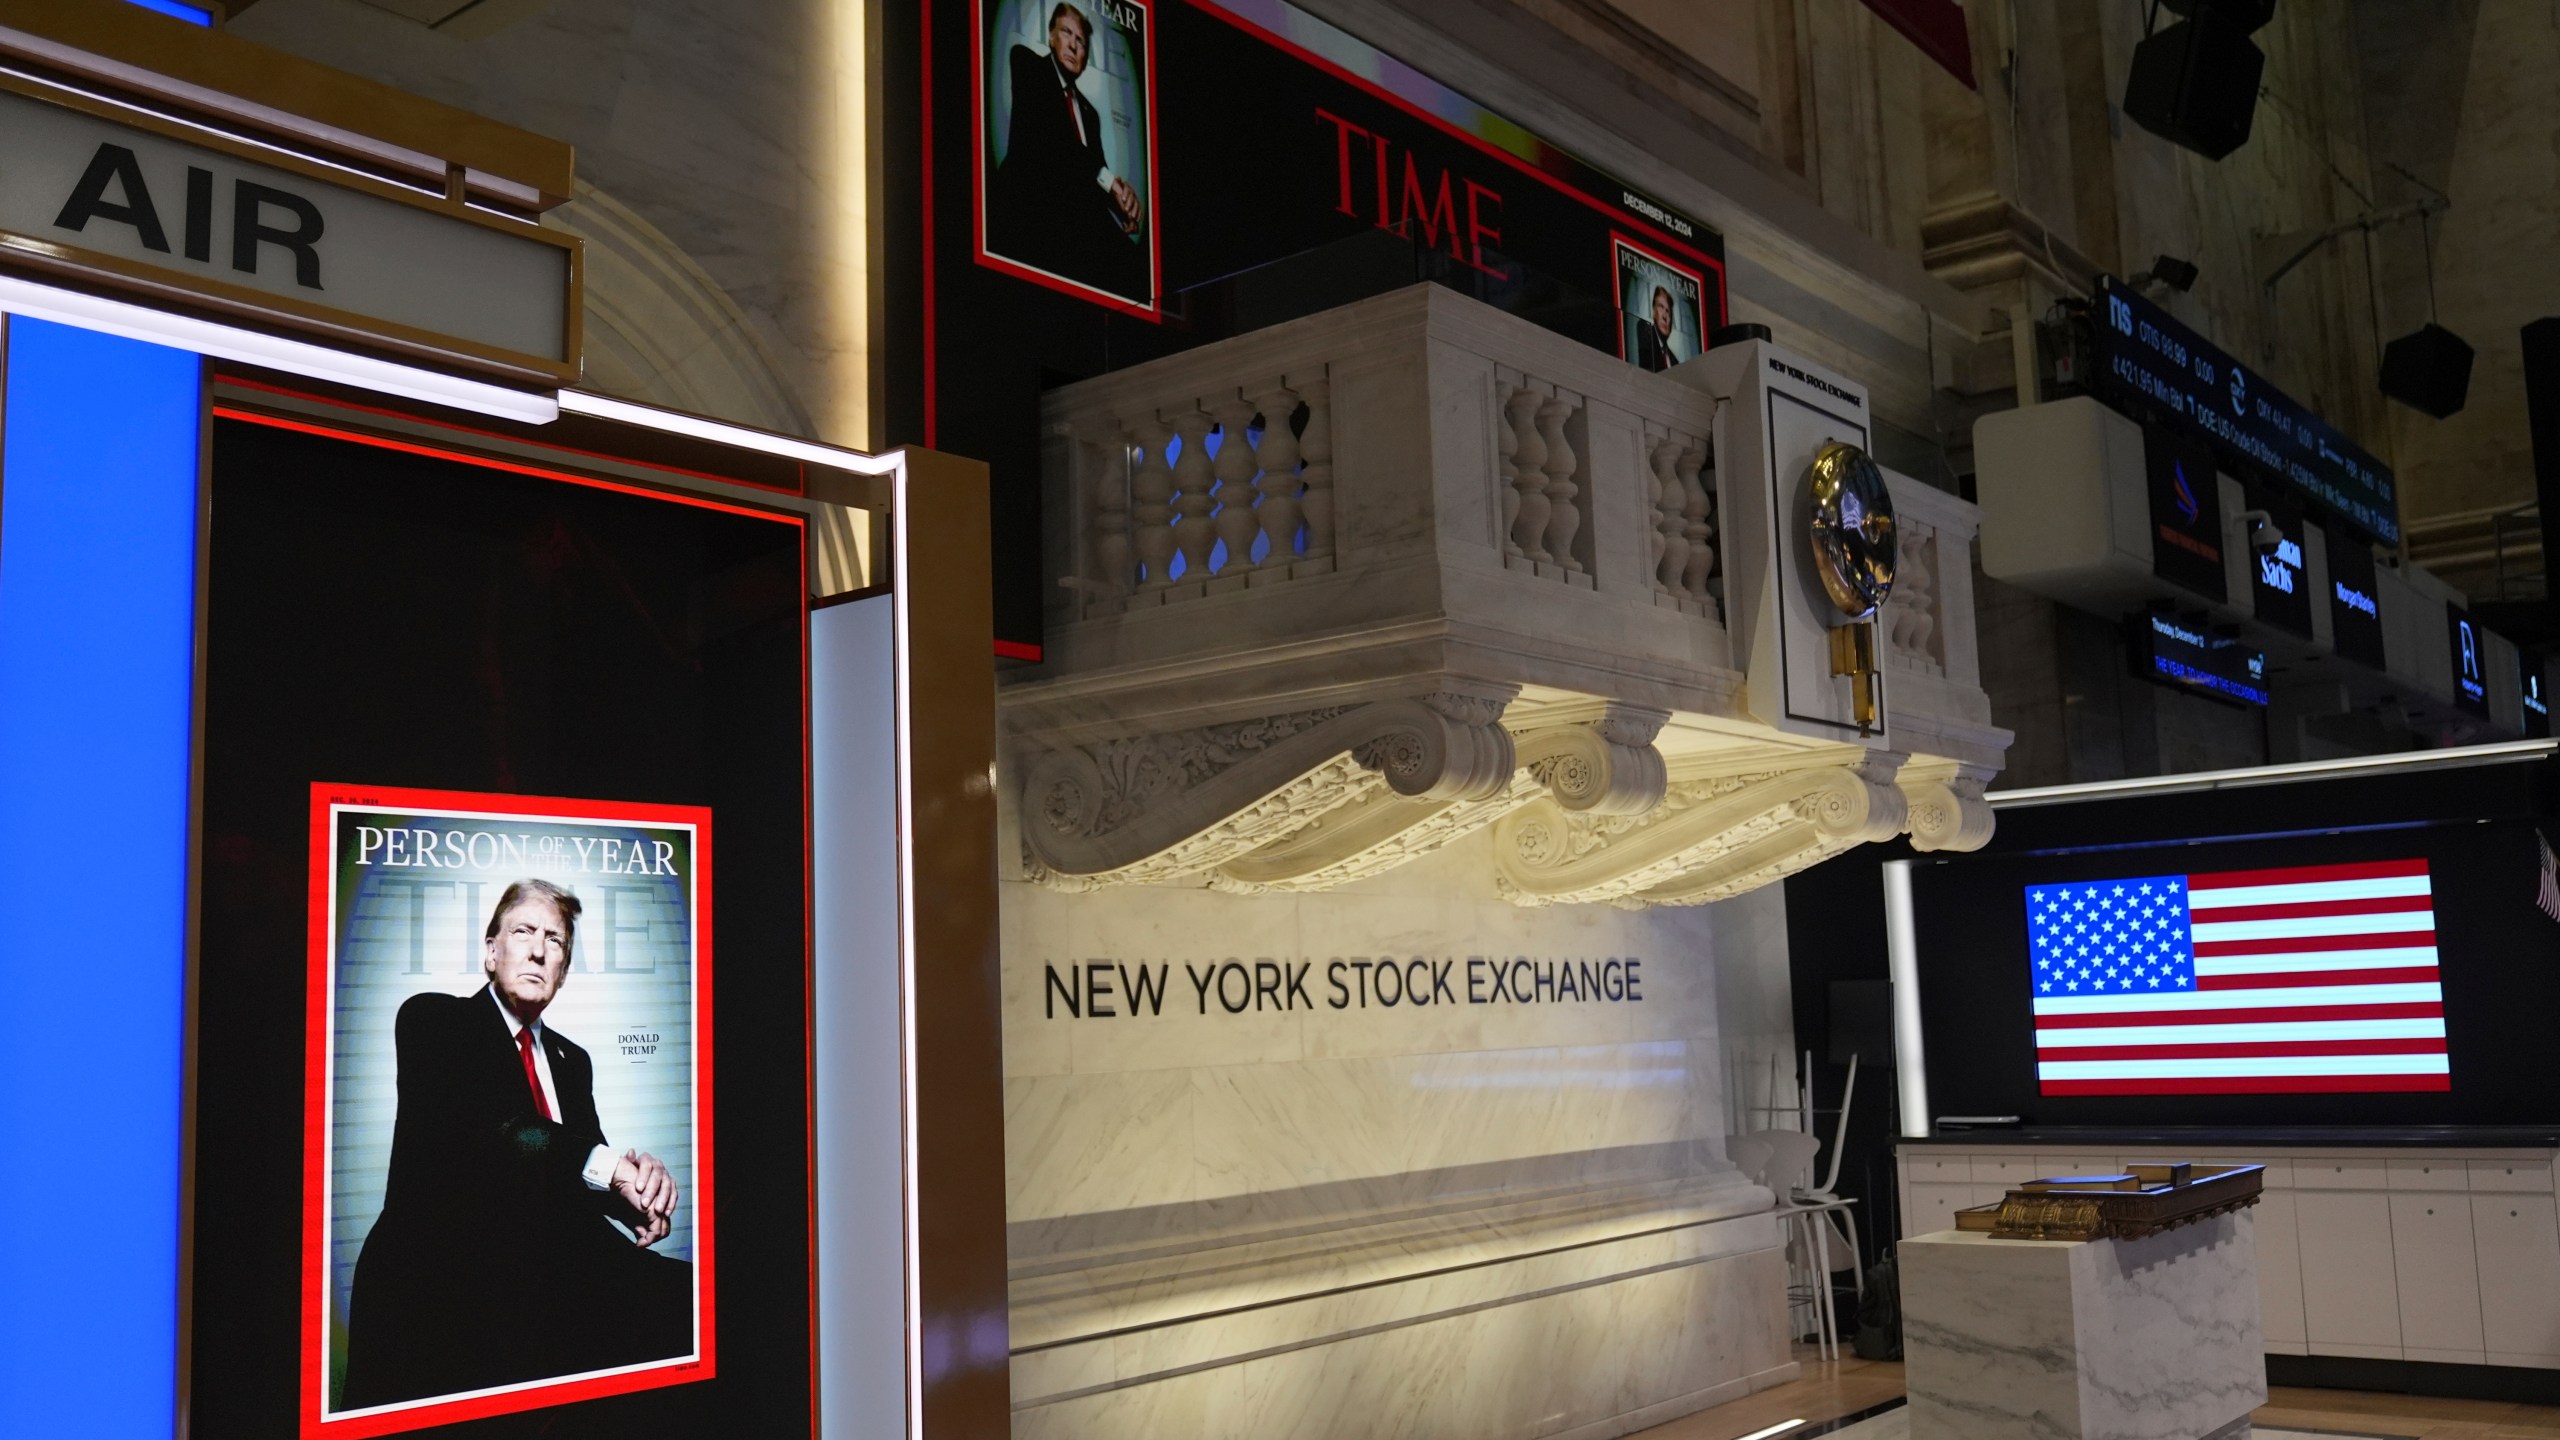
pixel 2143 1200
pixel 1854 551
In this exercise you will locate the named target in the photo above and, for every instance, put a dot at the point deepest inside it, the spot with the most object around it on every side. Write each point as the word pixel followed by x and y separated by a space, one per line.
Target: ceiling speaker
pixel 2428 370
pixel 2195 84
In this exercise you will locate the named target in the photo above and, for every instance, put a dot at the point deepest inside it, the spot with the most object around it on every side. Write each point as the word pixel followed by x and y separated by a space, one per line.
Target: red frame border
pixel 1617 239
pixel 326 795
pixel 513 467
pixel 415 418
pixel 1153 310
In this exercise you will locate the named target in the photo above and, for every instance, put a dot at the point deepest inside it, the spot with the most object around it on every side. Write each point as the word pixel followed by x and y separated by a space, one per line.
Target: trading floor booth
pixel 2341 971
pixel 496 885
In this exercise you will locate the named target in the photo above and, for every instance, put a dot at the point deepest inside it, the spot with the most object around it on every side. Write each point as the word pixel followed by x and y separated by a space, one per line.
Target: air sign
pixel 129 202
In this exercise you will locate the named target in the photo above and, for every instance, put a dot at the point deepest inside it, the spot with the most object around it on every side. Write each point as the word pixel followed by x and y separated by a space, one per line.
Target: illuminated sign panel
pixel 2355 605
pixel 2531 693
pixel 2279 587
pixel 128 202
pixel 2151 367
pixel 2185 655
pixel 2186 512
pixel 2470 661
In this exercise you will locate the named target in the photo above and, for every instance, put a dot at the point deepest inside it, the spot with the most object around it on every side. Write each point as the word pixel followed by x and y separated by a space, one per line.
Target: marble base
pixel 1896 1425
pixel 1531 1358
pixel 2154 1339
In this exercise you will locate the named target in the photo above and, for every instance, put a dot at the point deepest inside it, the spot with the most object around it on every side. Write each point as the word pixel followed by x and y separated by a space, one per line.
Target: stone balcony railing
pixel 1345 590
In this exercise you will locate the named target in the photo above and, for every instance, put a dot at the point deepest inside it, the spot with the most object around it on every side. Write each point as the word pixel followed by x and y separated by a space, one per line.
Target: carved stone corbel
pixel 1371 834
pixel 1605 767
pixel 1707 838
pixel 1948 814
pixel 1162 807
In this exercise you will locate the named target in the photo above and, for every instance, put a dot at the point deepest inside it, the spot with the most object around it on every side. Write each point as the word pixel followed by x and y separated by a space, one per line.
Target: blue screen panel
pixel 192 14
pixel 99 445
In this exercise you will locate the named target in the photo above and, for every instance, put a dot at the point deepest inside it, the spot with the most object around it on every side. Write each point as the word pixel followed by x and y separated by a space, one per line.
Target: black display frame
pixel 681 619
pixel 2499 953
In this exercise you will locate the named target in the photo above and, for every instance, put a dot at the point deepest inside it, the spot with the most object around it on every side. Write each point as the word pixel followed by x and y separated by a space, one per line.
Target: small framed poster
pixel 1066 154
pixel 1659 308
pixel 507 1105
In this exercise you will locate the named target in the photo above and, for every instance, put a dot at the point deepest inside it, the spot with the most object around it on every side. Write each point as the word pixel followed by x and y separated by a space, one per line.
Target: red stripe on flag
pixel 2249 1015
pixel 2302 944
pixel 2247 1085
pixel 2249 1048
pixel 2313 909
pixel 2307 874
pixel 2403 975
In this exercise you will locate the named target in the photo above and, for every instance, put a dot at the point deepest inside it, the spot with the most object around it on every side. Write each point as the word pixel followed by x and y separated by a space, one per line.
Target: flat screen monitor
pixel 2296 980
pixel 2397 974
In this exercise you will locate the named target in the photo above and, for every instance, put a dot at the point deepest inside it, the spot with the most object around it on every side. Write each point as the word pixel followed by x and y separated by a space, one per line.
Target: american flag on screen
pixel 2245 982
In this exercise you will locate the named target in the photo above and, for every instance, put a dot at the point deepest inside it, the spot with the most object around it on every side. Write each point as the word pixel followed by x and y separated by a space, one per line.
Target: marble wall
pixel 2465 107
pixel 720 180
pixel 1312 1214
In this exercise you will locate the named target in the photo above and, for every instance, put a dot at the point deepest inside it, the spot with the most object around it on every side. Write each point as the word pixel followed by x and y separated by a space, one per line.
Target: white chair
pixel 1751 1155
pixel 1845 1225
pixel 1783 1161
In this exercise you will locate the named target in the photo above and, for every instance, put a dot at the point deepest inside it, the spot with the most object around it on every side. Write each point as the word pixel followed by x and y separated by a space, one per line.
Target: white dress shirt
pixel 598 1171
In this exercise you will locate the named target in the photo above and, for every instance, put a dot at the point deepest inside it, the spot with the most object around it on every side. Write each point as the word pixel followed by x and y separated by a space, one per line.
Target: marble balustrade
pixel 1276 456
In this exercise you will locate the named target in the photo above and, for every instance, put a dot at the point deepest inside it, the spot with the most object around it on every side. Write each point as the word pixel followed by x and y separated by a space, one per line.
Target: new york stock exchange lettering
pixel 1114 989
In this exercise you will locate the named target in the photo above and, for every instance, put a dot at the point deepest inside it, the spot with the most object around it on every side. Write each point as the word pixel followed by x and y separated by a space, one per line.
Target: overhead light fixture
pixel 1781 1428
pixel 676 422
pixel 2168 270
pixel 275 352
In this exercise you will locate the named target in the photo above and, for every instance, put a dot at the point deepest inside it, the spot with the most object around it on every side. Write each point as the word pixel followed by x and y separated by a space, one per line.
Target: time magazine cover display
pixel 1658 308
pixel 1066 151
pixel 508 1176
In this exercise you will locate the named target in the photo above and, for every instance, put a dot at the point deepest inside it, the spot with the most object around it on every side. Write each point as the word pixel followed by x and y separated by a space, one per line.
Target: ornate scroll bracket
pixel 1948 814
pixel 1605 767
pixel 1580 813
pixel 1706 840
pixel 1164 807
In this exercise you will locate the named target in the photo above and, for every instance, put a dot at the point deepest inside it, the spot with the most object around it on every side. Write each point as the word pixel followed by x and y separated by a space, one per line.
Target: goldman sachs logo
pixel 2277 568
pixel 2355 599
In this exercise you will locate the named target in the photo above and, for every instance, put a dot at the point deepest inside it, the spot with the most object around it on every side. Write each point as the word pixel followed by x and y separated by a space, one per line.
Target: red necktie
pixel 1075 113
pixel 532 1079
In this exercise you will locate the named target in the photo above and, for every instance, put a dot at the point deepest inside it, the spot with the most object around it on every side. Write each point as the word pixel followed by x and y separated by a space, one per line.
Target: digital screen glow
pixel 2147 364
pixel 2182 653
pixel 97 634
pixel 2315 978
pixel 178 10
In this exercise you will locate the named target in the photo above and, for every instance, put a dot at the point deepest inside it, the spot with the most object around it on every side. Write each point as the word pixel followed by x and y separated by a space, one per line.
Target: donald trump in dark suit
pixel 1655 349
pixel 495 1260
pixel 1054 203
